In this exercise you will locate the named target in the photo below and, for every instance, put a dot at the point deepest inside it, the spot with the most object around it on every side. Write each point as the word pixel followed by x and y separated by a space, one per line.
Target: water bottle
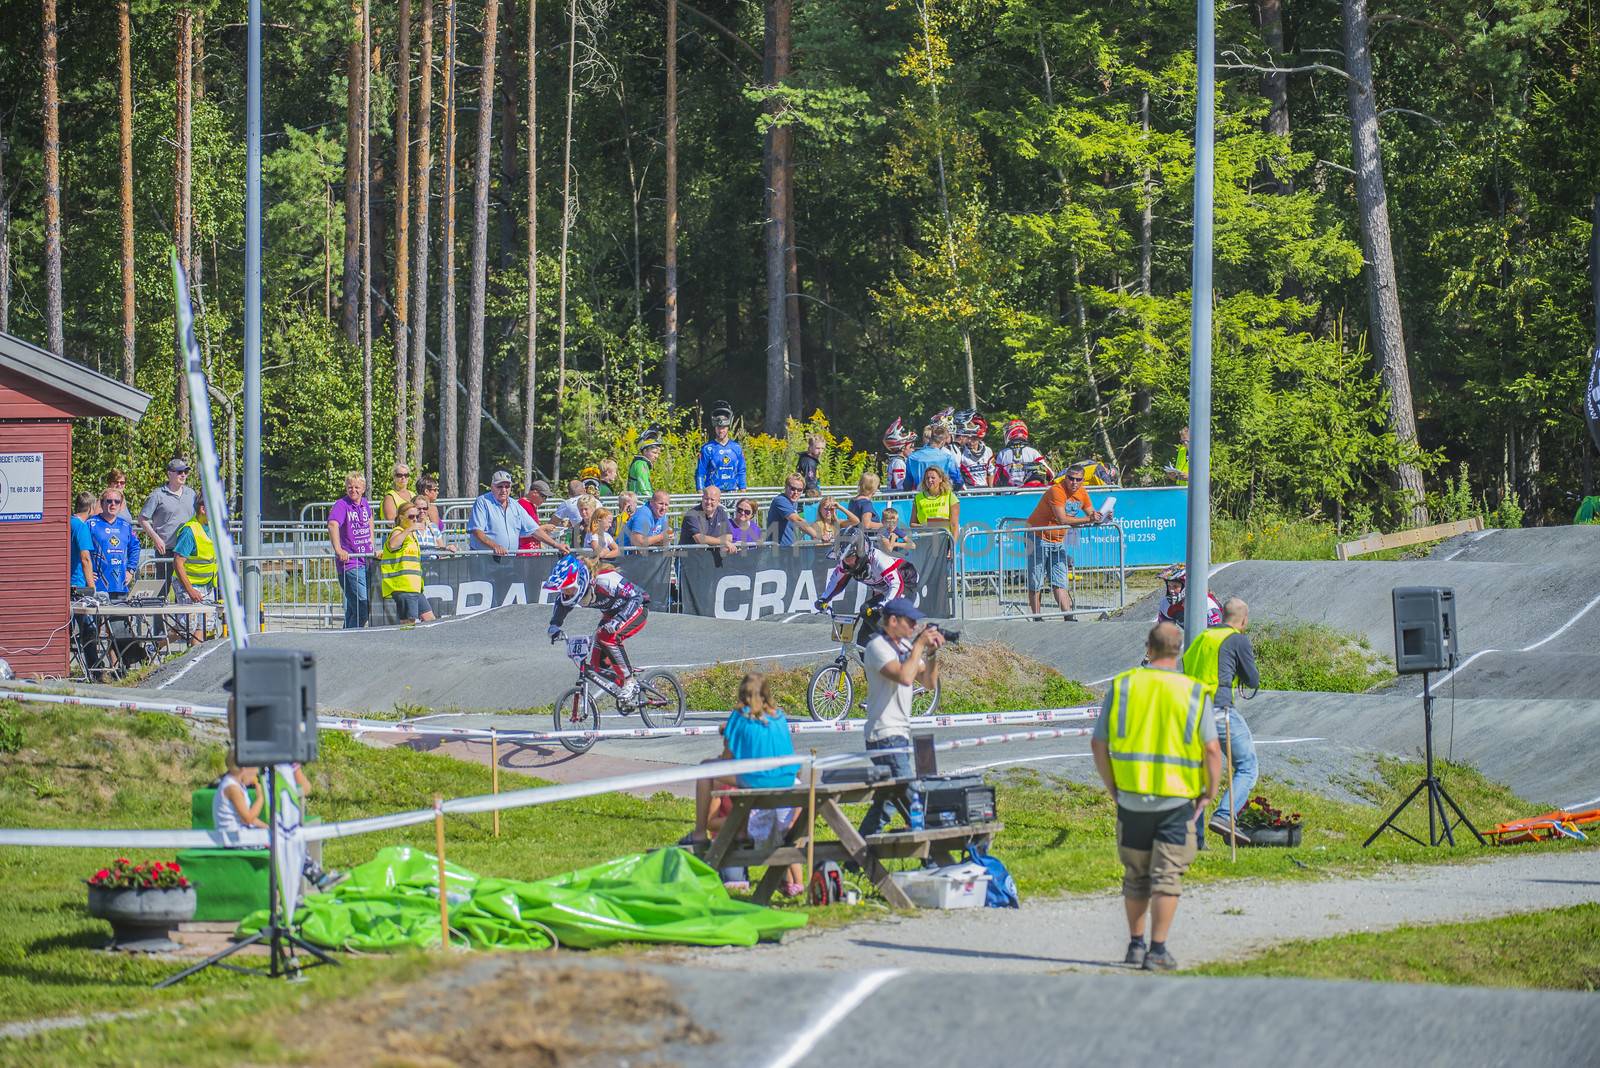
pixel 914 810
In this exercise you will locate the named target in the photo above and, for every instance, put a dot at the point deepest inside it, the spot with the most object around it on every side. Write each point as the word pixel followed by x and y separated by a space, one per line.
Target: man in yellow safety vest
pixel 400 567
pixel 194 556
pixel 1220 657
pixel 1155 746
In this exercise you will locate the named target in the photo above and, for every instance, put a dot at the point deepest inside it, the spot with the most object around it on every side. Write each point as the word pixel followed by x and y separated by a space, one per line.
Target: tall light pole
pixel 251 519
pixel 1199 548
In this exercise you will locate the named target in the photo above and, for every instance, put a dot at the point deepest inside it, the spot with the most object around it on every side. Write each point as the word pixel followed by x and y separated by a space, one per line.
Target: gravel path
pixel 1215 921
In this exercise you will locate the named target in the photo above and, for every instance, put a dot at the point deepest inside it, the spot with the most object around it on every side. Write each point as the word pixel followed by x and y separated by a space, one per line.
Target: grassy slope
pixel 974 677
pixel 1551 950
pixel 87 768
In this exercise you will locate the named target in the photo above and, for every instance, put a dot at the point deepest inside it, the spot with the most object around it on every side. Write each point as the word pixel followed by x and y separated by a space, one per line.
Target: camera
pixel 951 637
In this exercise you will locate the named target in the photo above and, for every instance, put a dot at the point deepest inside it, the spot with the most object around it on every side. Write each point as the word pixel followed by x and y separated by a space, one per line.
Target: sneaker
pixel 329 879
pixel 1159 961
pixel 1219 827
pixel 1136 954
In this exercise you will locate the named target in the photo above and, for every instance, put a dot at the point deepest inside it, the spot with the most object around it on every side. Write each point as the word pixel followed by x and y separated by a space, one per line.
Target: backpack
pixel 1002 892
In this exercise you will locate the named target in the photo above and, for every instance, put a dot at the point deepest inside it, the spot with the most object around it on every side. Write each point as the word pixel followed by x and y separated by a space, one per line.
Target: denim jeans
pixel 899 765
pixel 353 584
pixel 1244 763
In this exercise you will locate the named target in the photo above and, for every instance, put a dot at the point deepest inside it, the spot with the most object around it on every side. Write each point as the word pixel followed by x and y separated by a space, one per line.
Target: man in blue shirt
pixel 498 522
pixel 647 529
pixel 116 548
pixel 80 547
pixel 721 459
pixel 934 454
pixel 783 515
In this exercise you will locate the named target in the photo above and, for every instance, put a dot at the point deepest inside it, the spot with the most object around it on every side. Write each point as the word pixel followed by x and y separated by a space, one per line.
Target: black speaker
pixel 275 701
pixel 1424 629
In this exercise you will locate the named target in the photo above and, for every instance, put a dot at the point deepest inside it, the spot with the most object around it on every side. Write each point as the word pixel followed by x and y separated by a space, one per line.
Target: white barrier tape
pixel 114 839
pixel 512 734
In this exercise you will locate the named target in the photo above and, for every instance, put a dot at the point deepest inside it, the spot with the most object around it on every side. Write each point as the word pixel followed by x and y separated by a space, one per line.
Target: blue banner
pixel 1154 524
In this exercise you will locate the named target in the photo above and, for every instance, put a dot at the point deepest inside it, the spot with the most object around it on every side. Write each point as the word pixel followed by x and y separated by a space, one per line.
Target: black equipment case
pixel 956 800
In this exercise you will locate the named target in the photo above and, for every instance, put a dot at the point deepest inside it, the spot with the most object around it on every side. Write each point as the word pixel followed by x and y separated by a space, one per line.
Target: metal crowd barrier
pixel 999 569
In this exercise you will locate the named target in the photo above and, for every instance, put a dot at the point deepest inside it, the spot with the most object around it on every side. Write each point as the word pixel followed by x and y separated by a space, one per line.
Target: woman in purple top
pixel 746 530
pixel 350 534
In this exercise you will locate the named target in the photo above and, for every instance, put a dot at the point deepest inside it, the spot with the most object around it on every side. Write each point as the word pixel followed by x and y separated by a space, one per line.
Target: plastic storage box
pixel 958 886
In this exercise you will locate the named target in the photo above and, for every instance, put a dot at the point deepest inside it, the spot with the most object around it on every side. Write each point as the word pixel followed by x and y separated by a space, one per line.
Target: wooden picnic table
pixel 729 848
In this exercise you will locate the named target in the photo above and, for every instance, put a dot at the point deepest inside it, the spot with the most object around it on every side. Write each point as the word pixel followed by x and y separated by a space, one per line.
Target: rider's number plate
pixel 578 648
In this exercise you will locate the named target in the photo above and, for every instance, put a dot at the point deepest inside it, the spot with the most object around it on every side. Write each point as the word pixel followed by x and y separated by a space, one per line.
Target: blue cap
pixel 902 606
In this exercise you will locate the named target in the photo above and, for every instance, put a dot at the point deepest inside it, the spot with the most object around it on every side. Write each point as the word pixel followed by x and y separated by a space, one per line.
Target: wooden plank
pixel 1373 543
pixel 936 834
pixel 732 830
pixel 851 839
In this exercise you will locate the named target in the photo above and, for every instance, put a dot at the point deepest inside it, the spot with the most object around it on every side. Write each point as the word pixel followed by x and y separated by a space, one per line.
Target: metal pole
pixel 1199 550
pixel 252 324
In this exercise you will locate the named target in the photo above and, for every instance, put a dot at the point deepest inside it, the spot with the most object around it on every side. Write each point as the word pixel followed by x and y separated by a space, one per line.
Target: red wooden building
pixel 40 395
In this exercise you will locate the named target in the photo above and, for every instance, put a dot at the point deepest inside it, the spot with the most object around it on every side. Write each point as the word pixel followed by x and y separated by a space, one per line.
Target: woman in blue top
pixel 760 729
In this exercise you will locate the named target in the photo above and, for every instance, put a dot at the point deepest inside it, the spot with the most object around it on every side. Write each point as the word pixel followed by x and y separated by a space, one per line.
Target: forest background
pixel 581 217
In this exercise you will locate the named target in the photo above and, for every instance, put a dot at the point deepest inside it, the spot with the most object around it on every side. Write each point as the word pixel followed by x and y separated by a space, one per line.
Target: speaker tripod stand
pixel 281 941
pixel 1440 825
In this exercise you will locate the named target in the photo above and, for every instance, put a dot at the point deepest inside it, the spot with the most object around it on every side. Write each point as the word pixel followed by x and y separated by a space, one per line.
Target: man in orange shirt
pixel 1065 504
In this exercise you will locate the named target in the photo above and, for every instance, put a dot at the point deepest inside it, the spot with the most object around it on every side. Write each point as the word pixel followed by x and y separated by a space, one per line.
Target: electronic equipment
pixel 275 707
pixel 955 800
pixel 1424 629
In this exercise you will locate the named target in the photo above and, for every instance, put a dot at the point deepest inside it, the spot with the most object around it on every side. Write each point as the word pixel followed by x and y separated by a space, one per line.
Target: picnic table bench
pixel 732 847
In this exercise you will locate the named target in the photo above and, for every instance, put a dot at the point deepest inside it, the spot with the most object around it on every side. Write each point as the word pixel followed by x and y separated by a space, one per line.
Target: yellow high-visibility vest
pixel 202 566
pixel 1154 733
pixel 925 508
pixel 401 569
pixel 1200 660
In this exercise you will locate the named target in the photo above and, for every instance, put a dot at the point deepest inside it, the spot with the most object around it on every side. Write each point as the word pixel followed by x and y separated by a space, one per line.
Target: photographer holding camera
pixel 900 656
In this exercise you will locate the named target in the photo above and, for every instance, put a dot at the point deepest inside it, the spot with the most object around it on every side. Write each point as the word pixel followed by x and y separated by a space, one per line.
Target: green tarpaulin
pixel 665 896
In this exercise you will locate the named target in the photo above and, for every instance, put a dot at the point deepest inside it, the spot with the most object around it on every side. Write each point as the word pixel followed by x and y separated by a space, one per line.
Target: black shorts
pixel 1141 830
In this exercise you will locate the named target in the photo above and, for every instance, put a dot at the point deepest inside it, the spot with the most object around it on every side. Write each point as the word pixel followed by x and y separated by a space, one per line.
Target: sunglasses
pixel 110 500
pixel 743 511
pixel 402 474
pixel 413 515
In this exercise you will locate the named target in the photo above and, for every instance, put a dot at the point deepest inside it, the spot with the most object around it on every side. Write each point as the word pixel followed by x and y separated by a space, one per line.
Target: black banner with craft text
pixel 470 583
pixel 775 580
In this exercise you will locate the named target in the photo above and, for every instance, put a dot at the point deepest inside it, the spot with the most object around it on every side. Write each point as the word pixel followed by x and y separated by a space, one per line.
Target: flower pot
pixel 142 920
pixel 1273 836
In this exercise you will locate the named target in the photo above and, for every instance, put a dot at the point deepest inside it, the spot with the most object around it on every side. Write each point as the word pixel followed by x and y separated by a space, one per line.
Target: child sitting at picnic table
pixel 760 729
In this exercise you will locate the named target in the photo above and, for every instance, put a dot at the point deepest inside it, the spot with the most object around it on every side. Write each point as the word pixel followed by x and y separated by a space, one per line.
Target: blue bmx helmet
pixel 569 579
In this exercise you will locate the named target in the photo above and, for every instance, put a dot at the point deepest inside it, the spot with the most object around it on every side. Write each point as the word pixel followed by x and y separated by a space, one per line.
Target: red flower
pixel 102 874
pixel 173 866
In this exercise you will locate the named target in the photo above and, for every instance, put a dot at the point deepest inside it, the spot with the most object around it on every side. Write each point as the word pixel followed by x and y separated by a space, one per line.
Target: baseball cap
pixel 902 606
pixel 499 477
pixel 539 486
pixel 177 463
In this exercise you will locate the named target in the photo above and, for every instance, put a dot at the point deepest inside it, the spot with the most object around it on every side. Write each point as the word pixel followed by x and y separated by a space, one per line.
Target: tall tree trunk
pixel 366 237
pixel 125 166
pixel 1275 87
pixel 183 194
pixel 944 192
pixel 791 283
pixel 402 230
pixel 327 253
pixel 1383 293
pixel 480 256
pixel 5 243
pixel 1141 396
pixel 350 278
pixel 449 471
pixel 568 214
pixel 669 362
pixel 418 319
pixel 196 92
pixel 52 185
pixel 531 382
pixel 777 173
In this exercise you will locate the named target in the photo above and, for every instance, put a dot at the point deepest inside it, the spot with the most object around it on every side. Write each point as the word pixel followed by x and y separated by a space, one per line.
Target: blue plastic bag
pixel 1002 892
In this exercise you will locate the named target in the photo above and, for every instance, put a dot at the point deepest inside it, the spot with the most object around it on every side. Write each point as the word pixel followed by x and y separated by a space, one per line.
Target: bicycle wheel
pixel 831 694
pixel 660 699
pixel 925 702
pixel 576 712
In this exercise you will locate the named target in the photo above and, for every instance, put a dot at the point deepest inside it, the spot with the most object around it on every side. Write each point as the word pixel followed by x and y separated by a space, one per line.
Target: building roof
pixel 105 395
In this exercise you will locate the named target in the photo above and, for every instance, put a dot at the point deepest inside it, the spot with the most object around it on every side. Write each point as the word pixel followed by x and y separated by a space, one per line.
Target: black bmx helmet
pixel 855 556
pixel 722 414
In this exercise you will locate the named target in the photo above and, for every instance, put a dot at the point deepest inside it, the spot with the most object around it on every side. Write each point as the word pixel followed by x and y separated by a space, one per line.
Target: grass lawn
pixel 1318 658
pixel 78 767
pixel 1551 950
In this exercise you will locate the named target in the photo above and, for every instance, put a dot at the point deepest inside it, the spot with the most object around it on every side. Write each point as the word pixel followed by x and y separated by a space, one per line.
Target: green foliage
pixel 1266 535
pixel 1317 658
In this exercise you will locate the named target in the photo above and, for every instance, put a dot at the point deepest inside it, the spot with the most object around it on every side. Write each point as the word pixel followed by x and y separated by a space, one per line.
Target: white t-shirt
pixel 888 702
pixel 224 817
